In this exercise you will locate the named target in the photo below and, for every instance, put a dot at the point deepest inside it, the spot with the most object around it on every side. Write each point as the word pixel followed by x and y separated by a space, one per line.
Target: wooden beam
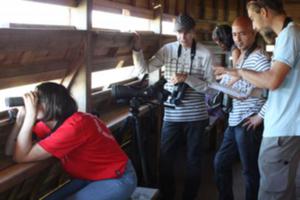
pixel 116 7
pixel 185 6
pixel 211 21
pixel 32 69
pixel 17 173
pixel 177 7
pixel 201 9
pixel 244 8
pixel 167 6
pixel 226 10
pixel 70 3
pixel 31 78
pixel 215 9
pixel 133 2
pixel 18 40
pixel 112 51
pixel 103 63
pixel 238 8
pixel 112 39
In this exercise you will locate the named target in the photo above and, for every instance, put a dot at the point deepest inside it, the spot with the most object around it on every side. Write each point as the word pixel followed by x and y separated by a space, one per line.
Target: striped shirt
pixel 242 109
pixel 192 107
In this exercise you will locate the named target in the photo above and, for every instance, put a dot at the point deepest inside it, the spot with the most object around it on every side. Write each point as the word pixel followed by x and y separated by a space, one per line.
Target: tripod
pixel 134 120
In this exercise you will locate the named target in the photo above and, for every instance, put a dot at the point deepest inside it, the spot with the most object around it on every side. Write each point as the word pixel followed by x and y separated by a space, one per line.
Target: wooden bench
pixel 143 193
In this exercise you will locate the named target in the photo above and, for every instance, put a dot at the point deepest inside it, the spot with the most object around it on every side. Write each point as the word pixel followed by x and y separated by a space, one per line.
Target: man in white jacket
pixel 188 65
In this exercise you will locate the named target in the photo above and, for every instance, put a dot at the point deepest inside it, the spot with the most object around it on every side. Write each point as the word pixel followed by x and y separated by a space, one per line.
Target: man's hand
pixel 178 78
pixel 219 71
pixel 136 42
pixel 253 122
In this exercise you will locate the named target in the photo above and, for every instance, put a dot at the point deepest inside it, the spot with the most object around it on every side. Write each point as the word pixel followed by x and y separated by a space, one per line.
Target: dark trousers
pixel 172 137
pixel 245 144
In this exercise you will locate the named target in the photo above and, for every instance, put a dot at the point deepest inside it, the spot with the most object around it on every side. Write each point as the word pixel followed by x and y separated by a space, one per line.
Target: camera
pixel 14 101
pixel 178 94
pixel 155 91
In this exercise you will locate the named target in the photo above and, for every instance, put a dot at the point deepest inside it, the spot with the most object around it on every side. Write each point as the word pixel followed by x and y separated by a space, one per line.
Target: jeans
pixel 173 135
pixel 245 144
pixel 108 189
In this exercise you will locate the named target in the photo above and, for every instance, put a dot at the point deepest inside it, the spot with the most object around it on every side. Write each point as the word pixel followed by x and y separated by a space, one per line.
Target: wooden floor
pixel 208 190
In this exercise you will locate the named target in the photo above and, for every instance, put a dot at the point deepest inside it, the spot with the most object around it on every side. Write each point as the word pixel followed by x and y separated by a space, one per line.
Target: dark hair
pixel 275 5
pixel 59 105
pixel 223 34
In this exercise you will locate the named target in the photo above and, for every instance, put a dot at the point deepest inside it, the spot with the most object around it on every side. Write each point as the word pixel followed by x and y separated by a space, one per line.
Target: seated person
pixel 87 150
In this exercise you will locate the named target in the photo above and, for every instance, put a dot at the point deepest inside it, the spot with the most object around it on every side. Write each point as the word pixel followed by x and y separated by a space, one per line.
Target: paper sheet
pixel 234 93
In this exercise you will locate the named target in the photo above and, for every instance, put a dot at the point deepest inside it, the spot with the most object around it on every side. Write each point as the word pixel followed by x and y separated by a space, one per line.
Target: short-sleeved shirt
pixel 282 116
pixel 84 145
pixel 242 109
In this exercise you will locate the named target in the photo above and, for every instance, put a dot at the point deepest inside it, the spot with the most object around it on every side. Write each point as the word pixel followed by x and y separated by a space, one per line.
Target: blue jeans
pixel 108 189
pixel 245 144
pixel 172 137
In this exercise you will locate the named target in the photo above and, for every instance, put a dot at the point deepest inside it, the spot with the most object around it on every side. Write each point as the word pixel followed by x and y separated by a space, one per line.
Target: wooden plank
pixel 215 9
pixel 36 68
pixel 103 63
pixel 118 7
pixel 209 21
pixel 17 173
pixel 133 2
pixel 31 78
pixel 70 3
pixel 177 10
pixel 166 6
pixel 112 39
pixel 201 9
pixel 41 26
pixel 13 40
pixel 112 52
pixel 115 39
pixel 226 10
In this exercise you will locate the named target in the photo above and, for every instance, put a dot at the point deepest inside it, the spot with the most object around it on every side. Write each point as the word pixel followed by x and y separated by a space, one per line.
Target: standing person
pixel 186 62
pixel 243 135
pixel 280 149
pixel 84 145
pixel 222 36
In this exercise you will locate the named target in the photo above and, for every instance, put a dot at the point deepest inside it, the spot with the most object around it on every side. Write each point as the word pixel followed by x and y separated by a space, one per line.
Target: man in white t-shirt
pixel 187 63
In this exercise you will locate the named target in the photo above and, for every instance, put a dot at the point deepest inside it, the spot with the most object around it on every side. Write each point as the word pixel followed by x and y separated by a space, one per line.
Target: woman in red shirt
pixel 84 145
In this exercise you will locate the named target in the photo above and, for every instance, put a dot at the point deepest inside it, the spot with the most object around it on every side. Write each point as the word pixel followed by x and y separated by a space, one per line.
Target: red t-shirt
pixel 85 147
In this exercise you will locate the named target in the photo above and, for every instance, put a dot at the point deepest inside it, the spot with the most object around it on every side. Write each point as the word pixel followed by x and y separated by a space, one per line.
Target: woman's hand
pixel 31 104
pixel 11 139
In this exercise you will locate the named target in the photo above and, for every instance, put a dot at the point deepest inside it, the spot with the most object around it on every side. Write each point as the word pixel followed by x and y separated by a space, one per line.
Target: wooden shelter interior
pixel 69 54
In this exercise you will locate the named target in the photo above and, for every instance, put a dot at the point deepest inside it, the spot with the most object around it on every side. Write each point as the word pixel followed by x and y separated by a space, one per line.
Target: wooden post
pixel 81 18
pixel 215 9
pixel 157 28
pixel 201 9
pixel 226 10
